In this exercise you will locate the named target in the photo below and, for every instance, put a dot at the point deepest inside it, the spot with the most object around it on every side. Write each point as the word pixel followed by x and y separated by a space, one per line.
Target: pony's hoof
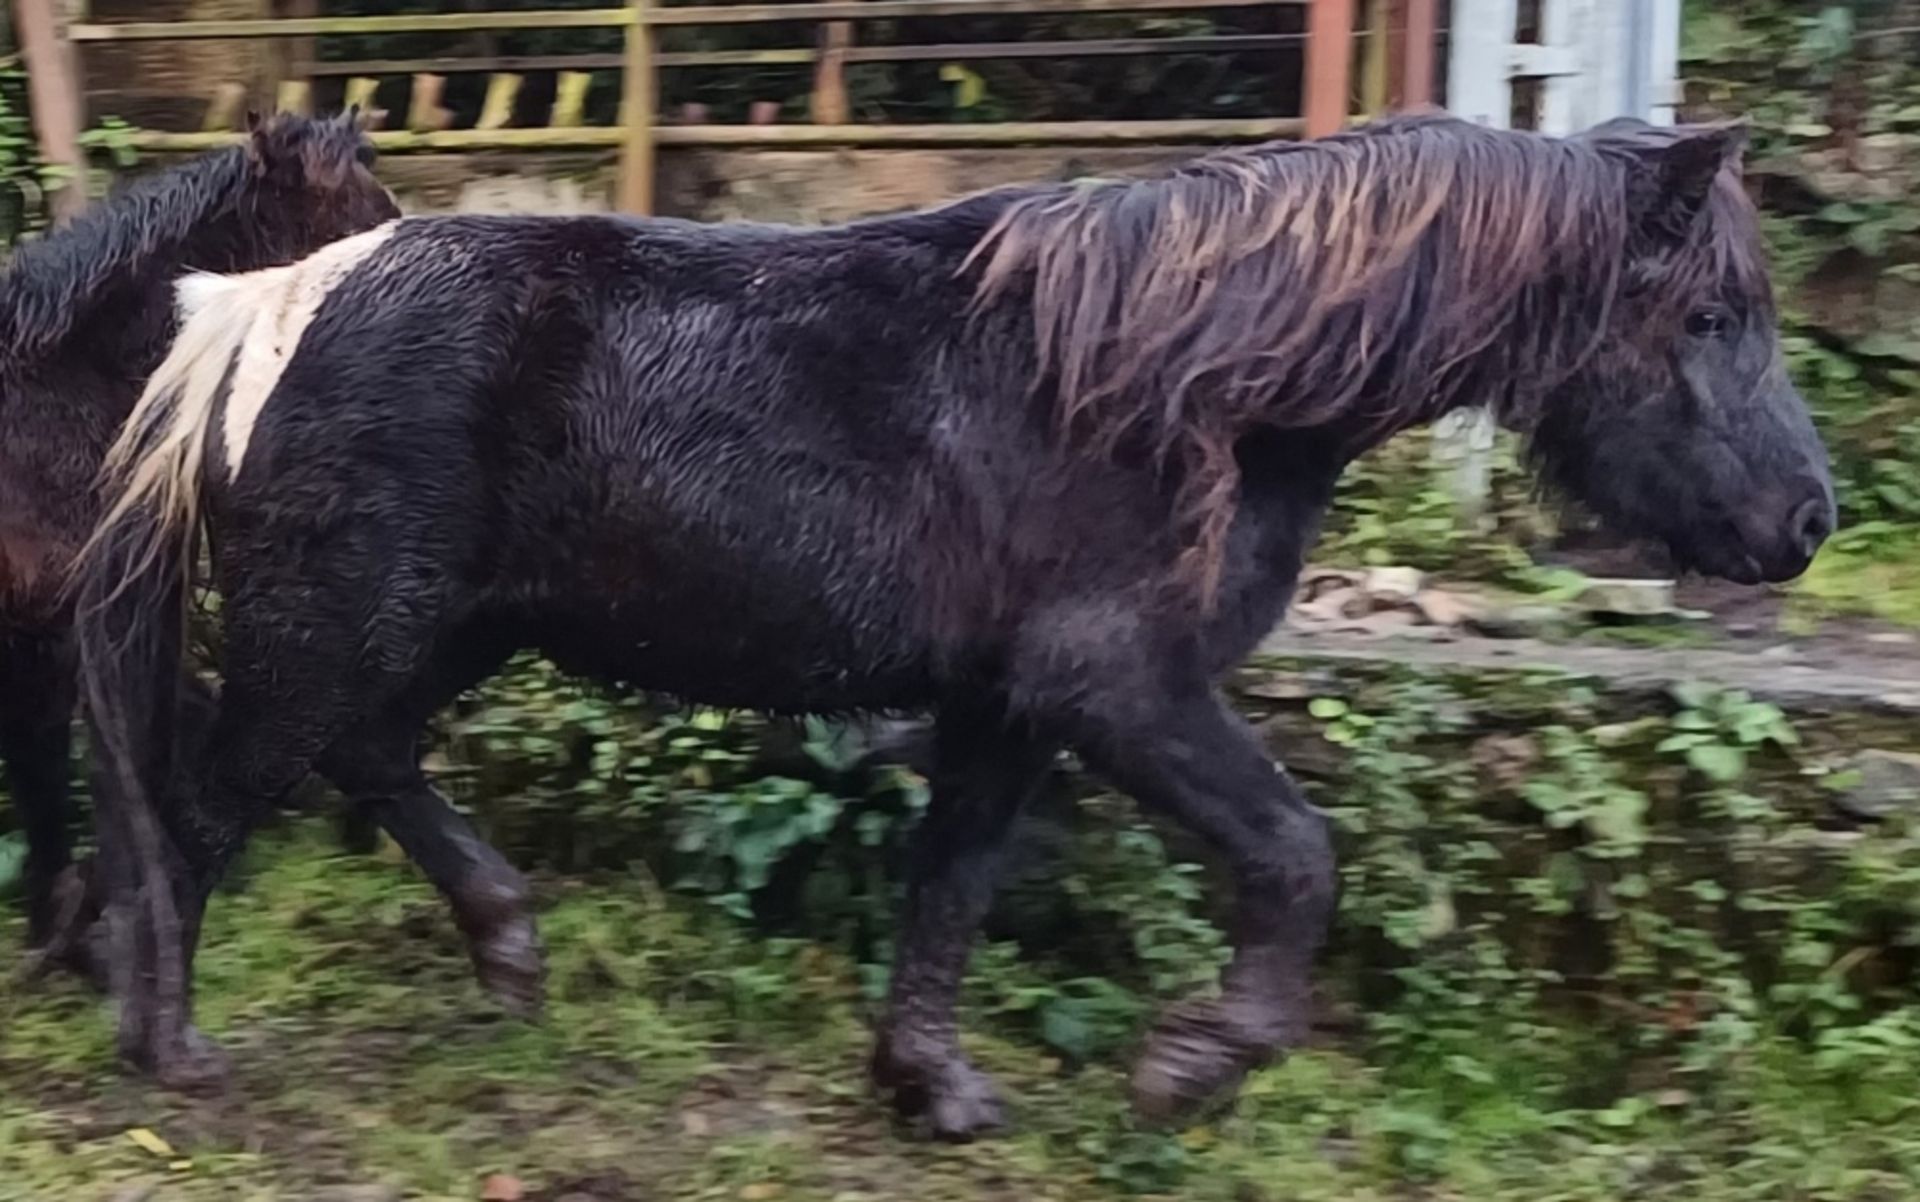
pixel 1197 1057
pixel 511 966
pixel 67 933
pixel 955 1101
pixel 495 912
pixel 193 1064
pixel 961 1111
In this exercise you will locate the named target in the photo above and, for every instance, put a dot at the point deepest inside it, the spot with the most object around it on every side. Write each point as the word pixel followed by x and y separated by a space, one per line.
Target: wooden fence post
pixel 496 112
pixel 570 99
pixel 53 81
pixel 289 60
pixel 828 104
pixel 1329 62
pixel 639 96
pixel 1377 73
pixel 1419 36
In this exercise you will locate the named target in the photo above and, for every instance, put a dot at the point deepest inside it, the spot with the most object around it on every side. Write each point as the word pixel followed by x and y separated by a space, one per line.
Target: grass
pixel 683 1058
pixel 1865 572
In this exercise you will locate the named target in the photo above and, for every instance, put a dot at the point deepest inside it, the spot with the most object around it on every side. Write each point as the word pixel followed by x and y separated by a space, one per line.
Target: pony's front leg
pixel 983 774
pixel 1193 759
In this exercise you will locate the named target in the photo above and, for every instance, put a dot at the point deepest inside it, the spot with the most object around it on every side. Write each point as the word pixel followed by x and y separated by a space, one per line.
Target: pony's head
pixel 1681 424
pixel 311 183
pixel 1604 294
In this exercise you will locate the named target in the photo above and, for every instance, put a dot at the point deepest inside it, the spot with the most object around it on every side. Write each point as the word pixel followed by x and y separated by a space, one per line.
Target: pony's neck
pixel 107 275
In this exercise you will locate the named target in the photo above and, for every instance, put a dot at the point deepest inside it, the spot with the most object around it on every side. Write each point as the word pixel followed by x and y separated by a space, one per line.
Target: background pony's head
pixel 312 183
pixel 1682 425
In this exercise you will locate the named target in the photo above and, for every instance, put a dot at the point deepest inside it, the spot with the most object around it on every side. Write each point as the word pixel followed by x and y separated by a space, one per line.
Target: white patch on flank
pixel 282 304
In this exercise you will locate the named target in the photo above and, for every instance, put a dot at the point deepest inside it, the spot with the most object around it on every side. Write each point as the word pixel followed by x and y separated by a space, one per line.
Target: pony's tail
pixel 131 585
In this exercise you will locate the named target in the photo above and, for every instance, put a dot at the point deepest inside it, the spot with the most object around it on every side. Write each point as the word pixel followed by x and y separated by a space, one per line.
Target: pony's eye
pixel 1707 323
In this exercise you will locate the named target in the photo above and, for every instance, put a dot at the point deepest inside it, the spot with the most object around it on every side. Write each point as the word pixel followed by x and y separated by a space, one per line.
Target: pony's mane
pixel 51 283
pixel 1370 280
pixel 50 280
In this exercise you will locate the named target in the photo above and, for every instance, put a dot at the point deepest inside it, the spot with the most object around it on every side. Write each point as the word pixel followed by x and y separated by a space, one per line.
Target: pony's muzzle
pixel 1812 524
pixel 1781 539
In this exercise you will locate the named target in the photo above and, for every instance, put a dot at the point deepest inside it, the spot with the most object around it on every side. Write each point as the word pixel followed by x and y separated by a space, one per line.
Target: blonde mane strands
pixel 1369 279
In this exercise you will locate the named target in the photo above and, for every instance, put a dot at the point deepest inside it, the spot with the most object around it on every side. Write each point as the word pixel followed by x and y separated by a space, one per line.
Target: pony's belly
pixel 796 614
pixel 692 654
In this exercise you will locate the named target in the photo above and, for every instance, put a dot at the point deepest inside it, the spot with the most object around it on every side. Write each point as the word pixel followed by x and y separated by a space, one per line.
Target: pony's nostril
pixel 1811 524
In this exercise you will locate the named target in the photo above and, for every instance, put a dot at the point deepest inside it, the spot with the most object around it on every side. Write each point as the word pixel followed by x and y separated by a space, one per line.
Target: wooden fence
pixel 1358 55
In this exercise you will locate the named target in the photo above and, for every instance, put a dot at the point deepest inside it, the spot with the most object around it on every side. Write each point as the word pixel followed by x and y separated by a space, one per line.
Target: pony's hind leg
pixel 983 773
pixel 284 703
pixel 378 770
pixel 36 725
pixel 1191 758
pixel 257 754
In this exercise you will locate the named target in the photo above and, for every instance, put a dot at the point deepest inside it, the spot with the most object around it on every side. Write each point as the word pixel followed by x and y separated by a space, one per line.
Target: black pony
pixel 1044 462
pixel 86 313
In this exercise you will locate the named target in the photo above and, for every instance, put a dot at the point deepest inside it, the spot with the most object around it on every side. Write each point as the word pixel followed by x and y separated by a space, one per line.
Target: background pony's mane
pixel 52 281
pixel 1370 280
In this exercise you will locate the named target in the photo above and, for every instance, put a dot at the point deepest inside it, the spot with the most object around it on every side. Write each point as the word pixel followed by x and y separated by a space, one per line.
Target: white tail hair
pixel 157 459
pixel 246 326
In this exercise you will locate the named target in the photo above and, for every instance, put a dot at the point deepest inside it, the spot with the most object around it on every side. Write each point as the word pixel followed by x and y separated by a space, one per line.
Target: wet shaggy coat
pixel 1044 462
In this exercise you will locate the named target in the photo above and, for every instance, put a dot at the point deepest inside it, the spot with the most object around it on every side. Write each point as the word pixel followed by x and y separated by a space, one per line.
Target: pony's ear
pixel 274 151
pixel 259 153
pixel 1678 170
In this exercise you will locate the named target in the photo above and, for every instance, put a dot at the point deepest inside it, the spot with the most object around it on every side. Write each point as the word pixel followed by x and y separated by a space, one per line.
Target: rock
pixel 1384 621
pixel 1299 743
pixel 1393 586
pixel 1356 603
pixel 1893 638
pixel 1889 784
pixel 503 1187
pixel 1441 608
pixel 1329 605
pixel 1316 579
pixel 1278 686
pixel 1518 622
pixel 1628 598
pixel 1505 761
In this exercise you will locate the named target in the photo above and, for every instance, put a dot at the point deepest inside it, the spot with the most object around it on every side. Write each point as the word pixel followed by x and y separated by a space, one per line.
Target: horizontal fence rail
pixel 999 133
pixel 614 18
pixel 804 55
pixel 1398 67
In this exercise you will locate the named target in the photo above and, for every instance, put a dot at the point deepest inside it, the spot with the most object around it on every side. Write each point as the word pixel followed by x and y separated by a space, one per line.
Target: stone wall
pixel 168 85
pixel 802 186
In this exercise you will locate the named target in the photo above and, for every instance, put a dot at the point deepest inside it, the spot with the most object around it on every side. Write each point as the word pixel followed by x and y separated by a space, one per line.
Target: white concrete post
pixel 1597 59
pixel 1479 88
